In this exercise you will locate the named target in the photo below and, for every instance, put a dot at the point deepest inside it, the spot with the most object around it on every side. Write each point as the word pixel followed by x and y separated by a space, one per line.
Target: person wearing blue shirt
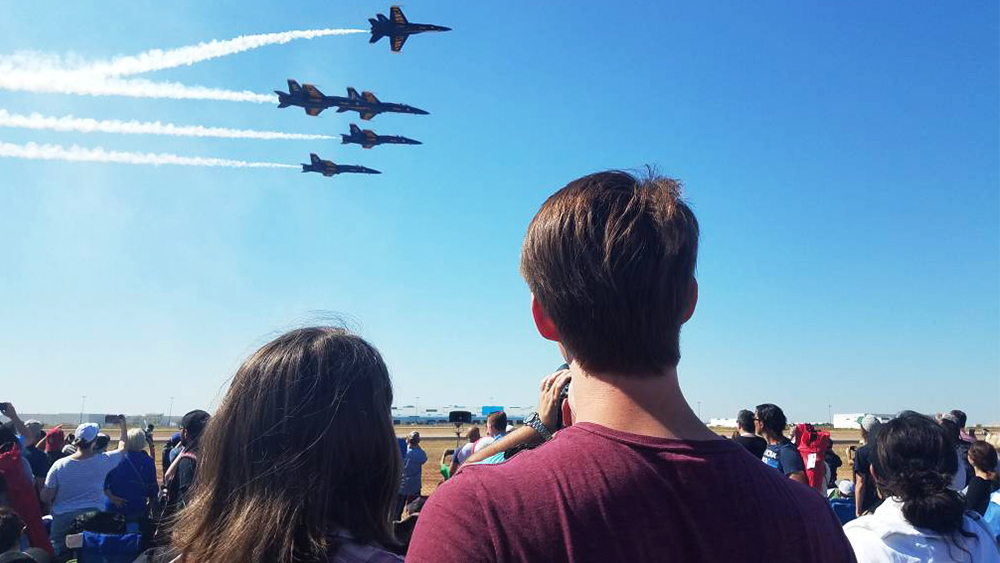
pixel 781 454
pixel 413 461
pixel 131 485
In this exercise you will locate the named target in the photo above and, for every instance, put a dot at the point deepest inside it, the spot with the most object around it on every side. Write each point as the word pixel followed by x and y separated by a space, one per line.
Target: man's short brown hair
pixel 497 420
pixel 611 258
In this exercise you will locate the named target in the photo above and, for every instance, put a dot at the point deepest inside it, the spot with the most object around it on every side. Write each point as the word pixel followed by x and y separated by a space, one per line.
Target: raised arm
pixel 8 410
pixel 548 405
pixel 123 436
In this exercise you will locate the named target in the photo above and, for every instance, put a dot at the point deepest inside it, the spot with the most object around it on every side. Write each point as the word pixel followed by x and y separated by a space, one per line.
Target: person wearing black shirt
pixel 983 459
pixel 865 494
pixel 746 438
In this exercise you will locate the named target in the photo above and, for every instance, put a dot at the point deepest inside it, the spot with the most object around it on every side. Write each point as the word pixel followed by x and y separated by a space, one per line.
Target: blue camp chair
pixel 92 547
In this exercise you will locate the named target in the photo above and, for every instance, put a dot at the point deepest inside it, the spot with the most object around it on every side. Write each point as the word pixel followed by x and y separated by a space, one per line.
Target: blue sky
pixel 842 159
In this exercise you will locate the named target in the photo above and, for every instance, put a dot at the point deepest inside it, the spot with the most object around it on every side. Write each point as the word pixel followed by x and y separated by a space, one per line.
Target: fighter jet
pixel 327 168
pixel 397 28
pixel 369 139
pixel 313 101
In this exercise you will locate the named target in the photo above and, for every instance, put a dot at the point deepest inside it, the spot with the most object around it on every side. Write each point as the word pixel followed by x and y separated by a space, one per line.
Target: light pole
pixel 829 414
pixel 83 401
pixel 416 408
pixel 170 413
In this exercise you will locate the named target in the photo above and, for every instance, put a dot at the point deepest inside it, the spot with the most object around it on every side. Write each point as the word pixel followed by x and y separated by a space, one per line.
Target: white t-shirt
pixel 79 483
pixel 463 453
pixel 885 536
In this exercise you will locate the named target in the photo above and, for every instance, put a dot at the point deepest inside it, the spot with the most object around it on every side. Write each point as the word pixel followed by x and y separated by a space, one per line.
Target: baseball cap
pixel 846 487
pixel 414 436
pixel 194 422
pixel 868 422
pixel 87 432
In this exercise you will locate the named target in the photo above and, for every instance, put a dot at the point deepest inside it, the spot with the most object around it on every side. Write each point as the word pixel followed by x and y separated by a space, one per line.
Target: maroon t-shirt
pixel 596 494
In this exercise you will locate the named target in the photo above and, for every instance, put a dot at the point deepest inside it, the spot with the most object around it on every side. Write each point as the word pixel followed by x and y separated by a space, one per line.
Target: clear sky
pixel 842 160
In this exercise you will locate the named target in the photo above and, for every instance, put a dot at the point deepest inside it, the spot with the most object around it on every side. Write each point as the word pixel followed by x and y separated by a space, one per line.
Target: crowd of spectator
pixel 300 462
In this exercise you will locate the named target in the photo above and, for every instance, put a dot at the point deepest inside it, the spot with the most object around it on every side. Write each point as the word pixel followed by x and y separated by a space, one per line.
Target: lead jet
pixel 369 139
pixel 397 28
pixel 327 168
pixel 313 101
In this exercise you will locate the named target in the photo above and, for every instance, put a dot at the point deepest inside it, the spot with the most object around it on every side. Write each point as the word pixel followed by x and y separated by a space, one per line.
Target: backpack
pixel 812 445
pixel 99 522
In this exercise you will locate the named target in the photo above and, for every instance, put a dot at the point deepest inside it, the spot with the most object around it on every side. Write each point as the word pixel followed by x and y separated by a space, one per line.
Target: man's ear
pixel 692 301
pixel 543 323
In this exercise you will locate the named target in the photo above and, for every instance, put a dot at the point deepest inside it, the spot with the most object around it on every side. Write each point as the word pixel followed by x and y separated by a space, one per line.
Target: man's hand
pixel 8 410
pixel 548 400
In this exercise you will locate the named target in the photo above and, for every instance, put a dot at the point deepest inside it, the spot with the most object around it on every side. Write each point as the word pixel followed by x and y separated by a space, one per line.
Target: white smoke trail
pixel 75 153
pixel 87 125
pixel 158 59
pixel 73 82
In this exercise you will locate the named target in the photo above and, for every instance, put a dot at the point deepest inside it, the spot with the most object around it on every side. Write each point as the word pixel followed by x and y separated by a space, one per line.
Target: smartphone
pixel 4 406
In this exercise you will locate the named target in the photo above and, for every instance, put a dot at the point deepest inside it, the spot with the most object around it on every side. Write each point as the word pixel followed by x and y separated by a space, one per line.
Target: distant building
pixel 412 414
pixel 722 422
pixel 853 420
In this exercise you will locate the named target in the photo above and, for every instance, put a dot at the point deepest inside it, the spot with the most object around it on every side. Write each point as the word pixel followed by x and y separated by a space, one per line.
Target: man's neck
pixel 773 439
pixel 747 434
pixel 648 405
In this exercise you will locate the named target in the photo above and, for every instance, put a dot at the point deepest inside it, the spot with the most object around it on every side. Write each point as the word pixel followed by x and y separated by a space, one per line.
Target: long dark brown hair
pixel 302 447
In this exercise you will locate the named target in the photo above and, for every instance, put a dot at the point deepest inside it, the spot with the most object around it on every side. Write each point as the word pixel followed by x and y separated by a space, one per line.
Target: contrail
pixel 158 59
pixel 75 153
pixel 73 82
pixel 87 125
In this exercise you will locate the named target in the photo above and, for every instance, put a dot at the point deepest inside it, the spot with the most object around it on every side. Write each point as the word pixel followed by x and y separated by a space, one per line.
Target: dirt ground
pixel 436 439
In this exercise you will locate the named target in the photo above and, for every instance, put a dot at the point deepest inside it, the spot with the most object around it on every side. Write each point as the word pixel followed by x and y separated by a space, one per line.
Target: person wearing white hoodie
pixel 921 520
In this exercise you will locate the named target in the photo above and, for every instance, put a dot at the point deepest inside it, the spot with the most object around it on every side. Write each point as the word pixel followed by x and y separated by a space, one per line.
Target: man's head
pixel 86 434
pixel 960 417
pixel 496 423
pixel 770 419
pixel 413 439
pixel 869 424
pixel 744 421
pixel 35 428
pixel 473 434
pixel 610 261
pixel 11 528
pixel 192 425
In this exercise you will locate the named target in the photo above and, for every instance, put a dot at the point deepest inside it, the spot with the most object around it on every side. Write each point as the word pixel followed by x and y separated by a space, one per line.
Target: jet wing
pixel 367 116
pixel 367 146
pixel 312 91
pixel 397 15
pixel 397 42
pixel 369 97
pixel 313 111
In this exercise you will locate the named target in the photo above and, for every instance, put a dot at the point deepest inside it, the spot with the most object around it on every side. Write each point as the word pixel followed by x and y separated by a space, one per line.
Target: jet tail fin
pixel 352 93
pixel 305 168
pixel 355 129
pixel 314 158
pixel 293 87
pixel 282 99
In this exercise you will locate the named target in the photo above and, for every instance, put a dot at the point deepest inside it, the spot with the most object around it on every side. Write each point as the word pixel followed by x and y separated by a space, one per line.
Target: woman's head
pixel 301 446
pixel 983 456
pixel 136 440
pixel 914 461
